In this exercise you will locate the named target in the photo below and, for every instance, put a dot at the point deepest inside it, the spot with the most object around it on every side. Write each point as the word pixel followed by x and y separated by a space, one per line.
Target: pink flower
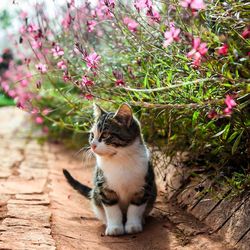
pixel 119 82
pixel 39 120
pixel 229 101
pixel 193 4
pixel 223 49
pixel 46 111
pixel 24 83
pixel 212 114
pixel 154 15
pixel 246 33
pixel 66 22
pixel 109 3
pixel 227 111
pixel 34 111
pixel 23 14
pixel 199 50
pixel 92 60
pixel 57 51
pixel 86 81
pixel 36 44
pixel 45 130
pixel 142 4
pixel 42 67
pixel 171 35
pixel 89 97
pixel 62 65
pixel 32 28
pixel 91 25
pixel 66 76
pixel 132 24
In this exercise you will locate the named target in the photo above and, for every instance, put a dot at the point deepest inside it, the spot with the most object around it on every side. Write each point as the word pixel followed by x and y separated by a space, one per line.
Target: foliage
pixel 183 66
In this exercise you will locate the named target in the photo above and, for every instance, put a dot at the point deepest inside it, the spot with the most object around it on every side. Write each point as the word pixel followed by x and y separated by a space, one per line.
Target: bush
pixel 182 66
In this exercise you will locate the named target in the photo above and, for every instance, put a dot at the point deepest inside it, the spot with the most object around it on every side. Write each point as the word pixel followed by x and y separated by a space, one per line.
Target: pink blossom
pixel 109 3
pixel 102 10
pixel 39 120
pixel 229 101
pixel 142 4
pixel 246 33
pixel 91 25
pixel 193 4
pixel 199 50
pixel 32 28
pixel 34 111
pixel 62 65
pixel 171 35
pixel 212 114
pixel 154 15
pixel 12 93
pixel 223 49
pixel 24 83
pixel 57 51
pixel 119 82
pixel 66 22
pixel 92 60
pixel 42 67
pixel 36 44
pixel 227 111
pixel 22 29
pixel 132 24
pixel 66 76
pixel 46 111
pixel 86 81
pixel 23 14
pixel 89 97
pixel 45 130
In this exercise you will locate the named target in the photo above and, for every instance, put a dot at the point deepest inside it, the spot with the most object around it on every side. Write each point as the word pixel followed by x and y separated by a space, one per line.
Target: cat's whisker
pixel 82 149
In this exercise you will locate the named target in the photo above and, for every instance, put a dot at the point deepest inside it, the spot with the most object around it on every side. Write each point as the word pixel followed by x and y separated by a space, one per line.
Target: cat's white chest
pixel 125 174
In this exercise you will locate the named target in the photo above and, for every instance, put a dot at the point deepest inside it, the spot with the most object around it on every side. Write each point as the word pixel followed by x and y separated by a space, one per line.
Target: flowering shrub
pixel 182 65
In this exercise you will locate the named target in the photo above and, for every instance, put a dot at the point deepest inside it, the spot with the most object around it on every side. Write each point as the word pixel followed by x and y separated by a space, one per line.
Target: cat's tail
pixel 81 188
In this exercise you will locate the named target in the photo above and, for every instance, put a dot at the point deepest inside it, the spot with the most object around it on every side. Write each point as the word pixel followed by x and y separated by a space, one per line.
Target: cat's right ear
pixel 98 111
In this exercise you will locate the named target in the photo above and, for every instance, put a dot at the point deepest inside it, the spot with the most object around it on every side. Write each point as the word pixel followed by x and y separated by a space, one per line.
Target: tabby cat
pixel 124 184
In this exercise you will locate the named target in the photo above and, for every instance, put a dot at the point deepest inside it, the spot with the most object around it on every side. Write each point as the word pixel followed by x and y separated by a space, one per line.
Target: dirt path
pixel 39 210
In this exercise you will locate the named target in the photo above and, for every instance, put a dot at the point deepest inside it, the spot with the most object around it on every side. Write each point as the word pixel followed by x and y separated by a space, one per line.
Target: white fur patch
pixel 134 218
pixel 125 171
pixel 114 220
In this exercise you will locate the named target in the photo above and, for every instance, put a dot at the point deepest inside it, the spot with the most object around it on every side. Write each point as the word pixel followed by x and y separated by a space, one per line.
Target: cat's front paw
pixel 114 230
pixel 132 228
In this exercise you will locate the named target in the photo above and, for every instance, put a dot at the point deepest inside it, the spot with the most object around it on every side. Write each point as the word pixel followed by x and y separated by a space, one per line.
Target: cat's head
pixel 113 130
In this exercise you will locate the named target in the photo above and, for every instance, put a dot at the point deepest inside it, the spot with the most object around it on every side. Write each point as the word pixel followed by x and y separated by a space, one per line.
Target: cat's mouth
pixel 109 154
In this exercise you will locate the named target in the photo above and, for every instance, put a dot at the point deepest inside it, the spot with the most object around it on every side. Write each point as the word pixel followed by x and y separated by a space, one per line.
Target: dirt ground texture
pixel 39 210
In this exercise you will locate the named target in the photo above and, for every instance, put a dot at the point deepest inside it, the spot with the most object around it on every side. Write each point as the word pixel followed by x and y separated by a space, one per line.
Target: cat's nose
pixel 93 146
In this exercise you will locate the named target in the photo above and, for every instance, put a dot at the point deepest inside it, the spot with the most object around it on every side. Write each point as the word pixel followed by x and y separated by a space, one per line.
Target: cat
pixel 124 182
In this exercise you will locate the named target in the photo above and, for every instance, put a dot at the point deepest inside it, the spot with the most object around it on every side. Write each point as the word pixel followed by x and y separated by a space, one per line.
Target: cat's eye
pixel 104 135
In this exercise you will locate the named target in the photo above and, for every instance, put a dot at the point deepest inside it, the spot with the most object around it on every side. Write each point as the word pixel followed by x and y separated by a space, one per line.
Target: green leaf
pixel 145 81
pixel 195 116
pixel 219 133
pixel 236 143
pixel 232 136
pixel 227 128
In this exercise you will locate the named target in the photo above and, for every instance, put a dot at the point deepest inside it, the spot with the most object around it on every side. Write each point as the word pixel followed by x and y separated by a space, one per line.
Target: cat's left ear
pixel 98 111
pixel 124 114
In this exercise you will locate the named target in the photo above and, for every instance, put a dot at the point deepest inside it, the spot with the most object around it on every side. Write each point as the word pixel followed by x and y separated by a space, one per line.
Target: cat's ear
pixel 98 111
pixel 124 114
